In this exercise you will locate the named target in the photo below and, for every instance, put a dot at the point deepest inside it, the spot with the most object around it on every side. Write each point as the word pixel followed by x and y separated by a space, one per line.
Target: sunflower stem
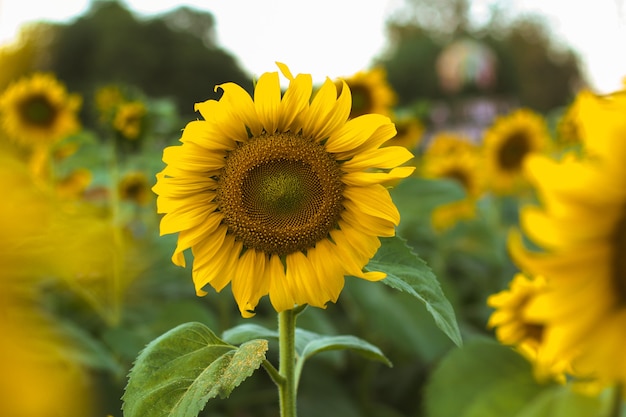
pixel 287 362
pixel 616 406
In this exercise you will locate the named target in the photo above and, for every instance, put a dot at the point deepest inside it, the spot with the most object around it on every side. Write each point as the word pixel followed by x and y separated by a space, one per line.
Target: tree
pixel 173 55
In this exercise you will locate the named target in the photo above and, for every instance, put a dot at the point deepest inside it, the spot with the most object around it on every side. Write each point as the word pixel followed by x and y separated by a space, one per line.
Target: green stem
pixel 616 407
pixel 287 362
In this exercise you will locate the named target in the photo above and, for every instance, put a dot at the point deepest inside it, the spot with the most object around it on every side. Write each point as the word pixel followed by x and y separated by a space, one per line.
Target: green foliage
pixel 110 45
pixel 486 379
pixel 407 272
pixel 177 373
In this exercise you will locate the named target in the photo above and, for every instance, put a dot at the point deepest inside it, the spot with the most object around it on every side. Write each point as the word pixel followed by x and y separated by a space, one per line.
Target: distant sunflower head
pixel 107 99
pixel 129 119
pixel 371 93
pixel 280 195
pixel 410 132
pixel 453 157
pixel 514 328
pixel 507 143
pixel 581 229
pixel 37 111
pixel 135 187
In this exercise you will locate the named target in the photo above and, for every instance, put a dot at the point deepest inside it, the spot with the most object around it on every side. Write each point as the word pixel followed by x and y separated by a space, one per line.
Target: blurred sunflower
pixel 410 132
pixel 582 227
pixel 567 128
pixel 507 143
pixel 513 328
pixel 107 99
pixel 134 187
pixel 371 93
pixel 74 184
pixel 34 355
pixel 280 195
pixel 129 119
pixel 454 157
pixel 37 111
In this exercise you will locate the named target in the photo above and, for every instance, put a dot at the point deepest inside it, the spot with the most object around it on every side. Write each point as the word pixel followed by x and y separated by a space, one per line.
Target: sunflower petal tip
pixel 284 69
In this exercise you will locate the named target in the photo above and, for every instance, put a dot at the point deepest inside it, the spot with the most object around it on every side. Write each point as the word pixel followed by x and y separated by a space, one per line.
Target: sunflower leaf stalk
pixel 287 363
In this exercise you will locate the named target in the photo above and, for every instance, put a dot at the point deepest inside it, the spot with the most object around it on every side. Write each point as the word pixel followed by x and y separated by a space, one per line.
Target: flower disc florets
pixel 280 193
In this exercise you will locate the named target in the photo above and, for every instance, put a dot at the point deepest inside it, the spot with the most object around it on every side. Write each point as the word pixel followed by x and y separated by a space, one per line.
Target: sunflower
pixel 107 99
pixel 37 111
pixel 129 119
pixel 581 228
pixel 134 187
pixel 513 328
pixel 450 156
pixel 410 132
pixel 507 143
pixel 280 194
pixel 371 93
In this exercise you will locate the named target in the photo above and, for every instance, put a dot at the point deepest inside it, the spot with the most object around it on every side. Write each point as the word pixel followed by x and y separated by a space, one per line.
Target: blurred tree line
pixel 531 68
pixel 176 54
pixel 173 55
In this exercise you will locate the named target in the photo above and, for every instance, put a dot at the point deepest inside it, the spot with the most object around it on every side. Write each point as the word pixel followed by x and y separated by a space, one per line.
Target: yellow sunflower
pixel 514 328
pixel 410 132
pixel 134 187
pixel 37 111
pixel 371 93
pixel 280 194
pixel 107 99
pixel 129 119
pixel 582 228
pixel 454 157
pixel 507 143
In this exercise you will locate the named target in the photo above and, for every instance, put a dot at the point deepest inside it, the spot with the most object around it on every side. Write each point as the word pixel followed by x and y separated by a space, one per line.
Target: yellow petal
pixel 267 100
pixel 362 179
pixel 280 292
pixel 373 200
pixel 250 282
pixel 304 284
pixel 206 135
pixel 355 133
pixel 186 217
pixel 223 121
pixel 240 104
pixel 193 158
pixel 389 157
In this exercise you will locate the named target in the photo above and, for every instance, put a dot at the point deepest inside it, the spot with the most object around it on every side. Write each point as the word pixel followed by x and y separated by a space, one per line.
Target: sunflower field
pixel 301 248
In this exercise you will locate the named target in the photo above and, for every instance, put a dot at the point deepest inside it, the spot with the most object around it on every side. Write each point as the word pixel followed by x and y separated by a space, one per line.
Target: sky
pixel 339 37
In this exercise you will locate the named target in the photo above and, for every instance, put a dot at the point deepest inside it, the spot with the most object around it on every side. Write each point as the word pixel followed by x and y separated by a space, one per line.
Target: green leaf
pixel 483 379
pixel 310 343
pixel 409 273
pixel 563 401
pixel 177 373
pixel 321 343
pixel 246 332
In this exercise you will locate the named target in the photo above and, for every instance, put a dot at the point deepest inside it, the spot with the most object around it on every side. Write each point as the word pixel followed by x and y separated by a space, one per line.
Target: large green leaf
pixel 343 342
pixel 409 273
pixel 483 379
pixel 562 401
pixel 246 332
pixel 177 373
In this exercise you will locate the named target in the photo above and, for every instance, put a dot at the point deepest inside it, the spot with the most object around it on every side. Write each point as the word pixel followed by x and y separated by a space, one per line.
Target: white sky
pixel 339 37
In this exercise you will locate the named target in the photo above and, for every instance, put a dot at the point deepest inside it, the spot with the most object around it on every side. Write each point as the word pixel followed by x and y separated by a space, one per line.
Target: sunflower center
pixel 37 110
pixel 460 177
pixel 619 260
pixel 513 151
pixel 280 193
